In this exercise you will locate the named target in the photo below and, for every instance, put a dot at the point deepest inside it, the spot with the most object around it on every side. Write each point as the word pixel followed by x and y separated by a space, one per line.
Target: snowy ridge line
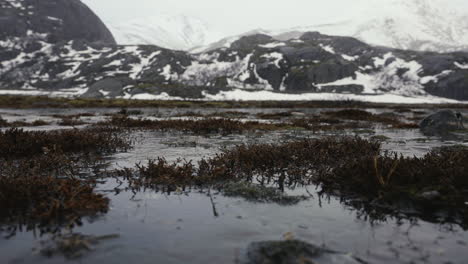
pixel 421 25
pixel 315 64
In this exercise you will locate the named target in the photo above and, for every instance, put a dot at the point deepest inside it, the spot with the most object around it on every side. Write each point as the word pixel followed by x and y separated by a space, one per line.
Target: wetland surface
pixel 188 224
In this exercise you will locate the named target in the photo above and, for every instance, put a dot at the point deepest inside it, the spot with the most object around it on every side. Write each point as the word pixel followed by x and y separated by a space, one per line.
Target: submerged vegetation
pixel 17 143
pixel 358 169
pixel 41 180
pixel 212 124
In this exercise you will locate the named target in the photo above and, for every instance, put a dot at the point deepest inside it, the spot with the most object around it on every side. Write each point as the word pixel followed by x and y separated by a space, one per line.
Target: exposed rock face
pixel 42 57
pixel 109 87
pixel 61 20
pixel 292 252
pixel 442 122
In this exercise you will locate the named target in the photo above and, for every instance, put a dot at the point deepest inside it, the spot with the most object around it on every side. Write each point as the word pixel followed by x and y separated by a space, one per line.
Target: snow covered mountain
pixel 66 55
pixel 423 25
pixel 426 25
pixel 179 32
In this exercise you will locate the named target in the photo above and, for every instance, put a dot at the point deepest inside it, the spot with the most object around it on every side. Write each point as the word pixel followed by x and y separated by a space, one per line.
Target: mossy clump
pixel 355 168
pixel 283 165
pixel 201 126
pixel 226 126
pixel 4 123
pixel 434 186
pixel 16 143
pixel 160 174
pixel 47 201
pixel 125 111
pixel 442 169
pixel 71 121
pixel 44 179
pixel 74 116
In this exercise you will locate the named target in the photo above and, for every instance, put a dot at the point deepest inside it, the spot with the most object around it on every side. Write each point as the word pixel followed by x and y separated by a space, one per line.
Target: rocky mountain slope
pixel 60 20
pixel 311 64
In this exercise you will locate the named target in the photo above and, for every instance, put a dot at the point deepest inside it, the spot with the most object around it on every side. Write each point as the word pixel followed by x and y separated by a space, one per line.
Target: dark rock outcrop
pixel 442 123
pixel 109 87
pixel 61 20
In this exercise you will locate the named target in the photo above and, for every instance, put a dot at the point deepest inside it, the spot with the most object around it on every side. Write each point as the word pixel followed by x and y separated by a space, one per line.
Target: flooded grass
pixel 355 167
pixel 71 122
pixel 4 123
pixel 283 165
pixel 225 126
pixel 435 184
pixel 17 143
pixel 201 126
pixel 46 202
pixel 41 183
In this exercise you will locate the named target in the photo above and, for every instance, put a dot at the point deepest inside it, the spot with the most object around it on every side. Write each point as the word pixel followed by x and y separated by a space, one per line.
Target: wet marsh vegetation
pixel 111 184
pixel 41 181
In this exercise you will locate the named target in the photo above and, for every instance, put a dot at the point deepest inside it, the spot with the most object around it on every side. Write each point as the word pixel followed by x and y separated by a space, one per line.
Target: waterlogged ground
pixel 200 226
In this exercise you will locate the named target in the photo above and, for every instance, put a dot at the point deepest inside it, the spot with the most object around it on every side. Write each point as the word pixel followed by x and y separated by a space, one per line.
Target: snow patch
pixel 274 57
pixel 328 48
pixel 435 78
pixel 349 58
pixel 55 19
pixel 388 79
pixel 461 66
pixel 243 95
pixel 167 73
pixel 272 45
pixel 162 96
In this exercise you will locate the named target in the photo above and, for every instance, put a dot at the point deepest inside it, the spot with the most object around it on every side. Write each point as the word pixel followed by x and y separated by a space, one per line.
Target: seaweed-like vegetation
pixel 41 181
pixel 362 115
pixel 17 143
pixel 285 165
pixel 47 201
pixel 435 183
pixel 381 183
pixel 229 126
pixel 71 121
pixel 125 111
pixel 201 126
pixel 4 123
pixel 220 123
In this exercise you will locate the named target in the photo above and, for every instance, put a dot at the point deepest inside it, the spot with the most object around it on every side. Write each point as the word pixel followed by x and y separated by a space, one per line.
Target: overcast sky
pixel 241 15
